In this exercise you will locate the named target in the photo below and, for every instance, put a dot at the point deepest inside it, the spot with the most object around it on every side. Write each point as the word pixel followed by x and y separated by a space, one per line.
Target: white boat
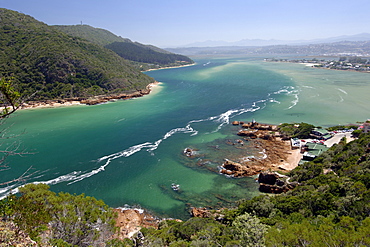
pixel 175 187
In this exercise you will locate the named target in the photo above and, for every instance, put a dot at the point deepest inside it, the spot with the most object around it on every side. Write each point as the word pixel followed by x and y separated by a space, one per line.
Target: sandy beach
pixel 173 67
pixel 74 102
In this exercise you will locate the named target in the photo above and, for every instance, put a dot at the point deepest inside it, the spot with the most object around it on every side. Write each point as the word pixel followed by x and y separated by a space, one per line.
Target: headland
pixel 88 101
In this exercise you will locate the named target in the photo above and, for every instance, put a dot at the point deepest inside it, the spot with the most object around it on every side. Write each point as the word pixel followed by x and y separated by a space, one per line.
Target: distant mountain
pixel 261 42
pixel 343 48
pixel 43 59
pixel 133 51
pixel 356 37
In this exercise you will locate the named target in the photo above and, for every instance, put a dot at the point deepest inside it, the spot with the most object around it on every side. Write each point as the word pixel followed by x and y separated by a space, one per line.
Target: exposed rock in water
pixel 191 153
pixel 256 134
pixel 236 169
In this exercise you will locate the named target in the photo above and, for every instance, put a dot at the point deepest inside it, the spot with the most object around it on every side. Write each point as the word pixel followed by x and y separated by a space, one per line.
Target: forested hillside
pixel 41 59
pixel 133 51
pixel 97 36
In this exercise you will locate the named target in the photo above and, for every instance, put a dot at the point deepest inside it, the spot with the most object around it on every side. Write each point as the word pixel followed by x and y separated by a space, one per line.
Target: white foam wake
pixel 290 91
pixel 221 120
pixel 342 90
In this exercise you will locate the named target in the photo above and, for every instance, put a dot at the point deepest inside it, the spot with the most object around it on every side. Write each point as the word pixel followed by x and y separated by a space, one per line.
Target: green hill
pixel 133 51
pixel 42 59
pixel 137 53
pixel 97 36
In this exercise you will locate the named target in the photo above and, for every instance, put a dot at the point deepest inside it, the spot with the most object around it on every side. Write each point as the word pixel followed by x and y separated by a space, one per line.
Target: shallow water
pixel 130 152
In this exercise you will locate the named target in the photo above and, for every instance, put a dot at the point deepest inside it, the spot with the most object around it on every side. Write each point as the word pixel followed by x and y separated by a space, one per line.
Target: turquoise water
pixel 130 152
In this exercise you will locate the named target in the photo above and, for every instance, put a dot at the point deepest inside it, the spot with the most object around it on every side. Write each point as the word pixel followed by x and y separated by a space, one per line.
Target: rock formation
pixel 236 169
pixel 130 221
pixel 88 101
pixel 272 182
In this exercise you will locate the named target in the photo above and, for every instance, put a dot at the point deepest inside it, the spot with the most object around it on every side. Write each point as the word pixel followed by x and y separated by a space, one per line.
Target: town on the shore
pixel 351 63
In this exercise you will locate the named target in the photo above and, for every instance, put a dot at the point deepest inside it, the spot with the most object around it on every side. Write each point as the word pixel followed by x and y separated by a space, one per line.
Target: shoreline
pixel 278 154
pixel 95 100
pixel 88 101
pixel 172 67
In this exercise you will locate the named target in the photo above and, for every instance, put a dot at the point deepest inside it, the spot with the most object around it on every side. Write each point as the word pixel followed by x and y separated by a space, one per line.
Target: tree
pixel 9 97
pixel 249 231
pixel 69 219
pixel 10 101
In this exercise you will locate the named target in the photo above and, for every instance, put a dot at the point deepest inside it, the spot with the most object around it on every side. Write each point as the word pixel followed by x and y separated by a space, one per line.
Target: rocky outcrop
pixel 130 221
pixel 191 152
pixel 200 213
pixel 273 189
pixel 256 134
pixel 237 123
pixel 236 169
pixel 268 177
pixel 12 235
pixel 272 182
pixel 206 213
pixel 88 101
pixel 256 125
pixel 104 99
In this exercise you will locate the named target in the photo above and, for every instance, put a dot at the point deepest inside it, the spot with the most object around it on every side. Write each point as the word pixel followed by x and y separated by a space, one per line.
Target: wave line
pixel 222 119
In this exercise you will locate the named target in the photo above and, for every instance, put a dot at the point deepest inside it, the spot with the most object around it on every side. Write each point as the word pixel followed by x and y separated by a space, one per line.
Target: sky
pixel 174 23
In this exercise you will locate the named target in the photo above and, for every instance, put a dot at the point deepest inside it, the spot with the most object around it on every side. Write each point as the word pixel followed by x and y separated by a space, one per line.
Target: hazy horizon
pixel 178 23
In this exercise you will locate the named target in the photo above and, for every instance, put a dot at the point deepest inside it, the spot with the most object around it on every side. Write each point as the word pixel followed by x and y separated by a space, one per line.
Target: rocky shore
pixel 88 101
pixel 277 156
pixel 277 153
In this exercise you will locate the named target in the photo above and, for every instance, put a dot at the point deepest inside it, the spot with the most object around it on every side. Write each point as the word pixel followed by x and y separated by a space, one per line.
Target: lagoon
pixel 130 152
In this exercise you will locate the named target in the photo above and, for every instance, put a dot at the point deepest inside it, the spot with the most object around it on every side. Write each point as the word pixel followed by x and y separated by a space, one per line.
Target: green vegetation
pixel 342 127
pixel 134 52
pixel 97 36
pixel 141 56
pixel 9 97
pixel 59 219
pixel 55 65
pixel 302 130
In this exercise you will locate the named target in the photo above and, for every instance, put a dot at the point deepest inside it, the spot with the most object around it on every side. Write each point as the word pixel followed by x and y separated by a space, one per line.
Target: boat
pixel 175 187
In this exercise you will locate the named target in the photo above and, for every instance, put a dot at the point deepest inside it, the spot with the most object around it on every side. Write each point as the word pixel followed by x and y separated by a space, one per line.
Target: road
pixel 337 137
